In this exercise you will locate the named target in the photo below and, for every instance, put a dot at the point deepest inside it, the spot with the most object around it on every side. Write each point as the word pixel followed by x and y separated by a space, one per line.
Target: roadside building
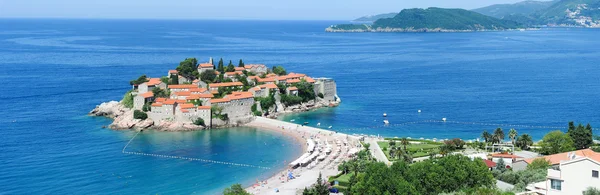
pixel 572 176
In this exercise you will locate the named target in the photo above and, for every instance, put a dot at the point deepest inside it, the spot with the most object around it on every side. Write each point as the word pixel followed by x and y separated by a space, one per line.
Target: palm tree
pixel 524 141
pixel 498 135
pixel 404 143
pixel 392 152
pixel 392 143
pixel 486 136
pixel 444 150
pixel 512 134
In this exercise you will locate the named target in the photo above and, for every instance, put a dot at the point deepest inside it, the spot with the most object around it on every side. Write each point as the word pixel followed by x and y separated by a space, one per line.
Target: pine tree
pixel 230 67
pixel 241 64
pixel 220 67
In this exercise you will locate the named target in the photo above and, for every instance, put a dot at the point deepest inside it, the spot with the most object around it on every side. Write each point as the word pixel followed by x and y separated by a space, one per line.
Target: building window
pixel 595 174
pixel 555 184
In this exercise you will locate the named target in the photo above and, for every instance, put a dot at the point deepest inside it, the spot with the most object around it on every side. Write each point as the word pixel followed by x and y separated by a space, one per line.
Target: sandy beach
pixel 305 176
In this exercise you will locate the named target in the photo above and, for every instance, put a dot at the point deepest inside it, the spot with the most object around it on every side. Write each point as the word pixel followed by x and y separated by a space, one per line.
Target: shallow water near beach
pixel 55 71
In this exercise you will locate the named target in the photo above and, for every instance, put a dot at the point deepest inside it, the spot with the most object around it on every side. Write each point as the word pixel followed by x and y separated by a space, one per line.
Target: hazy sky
pixel 223 9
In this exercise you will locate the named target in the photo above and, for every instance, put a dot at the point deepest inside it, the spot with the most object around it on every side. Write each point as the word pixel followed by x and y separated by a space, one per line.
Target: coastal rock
pixel 110 109
pixel 175 126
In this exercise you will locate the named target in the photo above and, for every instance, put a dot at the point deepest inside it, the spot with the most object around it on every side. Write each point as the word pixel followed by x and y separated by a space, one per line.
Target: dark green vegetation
pixel 582 136
pixel 543 13
pixel 137 114
pixel 535 172
pixel 451 19
pixel 188 68
pixel 402 149
pixel 373 18
pixel 319 188
pixel 235 189
pixel 556 142
pixel 199 122
pixel 139 80
pixel 434 19
pixel 127 100
pixel 591 191
pixel 524 7
pixel 279 70
pixel 452 173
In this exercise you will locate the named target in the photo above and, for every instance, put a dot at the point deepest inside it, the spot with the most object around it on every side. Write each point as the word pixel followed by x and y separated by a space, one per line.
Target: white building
pixel 572 176
pixel 508 159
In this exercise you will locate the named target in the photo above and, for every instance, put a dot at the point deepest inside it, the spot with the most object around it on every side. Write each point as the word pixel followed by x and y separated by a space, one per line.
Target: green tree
pixel 127 100
pixel 501 166
pixel 556 142
pixel 524 141
pixel 379 180
pixel 164 79
pixel 305 90
pixel 199 122
pixel 230 67
pixel 591 191
pixel 512 134
pixel 137 114
pixel 174 80
pixel 241 64
pixel 486 136
pixel 235 189
pixel 208 76
pixel 160 93
pixel 581 136
pixel 498 136
pixel 187 68
pixel 279 70
pixel 320 187
pixel 139 80
pixel 404 143
pixel 220 66
pixel 539 163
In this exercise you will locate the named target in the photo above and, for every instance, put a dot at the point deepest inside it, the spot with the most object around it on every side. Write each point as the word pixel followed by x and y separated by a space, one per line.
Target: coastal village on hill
pixel 202 95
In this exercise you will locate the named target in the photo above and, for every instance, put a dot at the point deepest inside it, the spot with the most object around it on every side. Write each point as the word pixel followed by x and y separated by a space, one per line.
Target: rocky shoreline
pixel 413 30
pixel 123 117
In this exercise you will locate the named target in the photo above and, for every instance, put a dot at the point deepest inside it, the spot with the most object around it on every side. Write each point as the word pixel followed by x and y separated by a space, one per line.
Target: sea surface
pixel 55 71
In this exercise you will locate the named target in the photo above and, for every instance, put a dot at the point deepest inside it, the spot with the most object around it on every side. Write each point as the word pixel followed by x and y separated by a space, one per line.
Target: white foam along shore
pixel 305 175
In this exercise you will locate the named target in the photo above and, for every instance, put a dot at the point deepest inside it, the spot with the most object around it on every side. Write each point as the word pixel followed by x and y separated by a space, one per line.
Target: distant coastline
pixel 413 30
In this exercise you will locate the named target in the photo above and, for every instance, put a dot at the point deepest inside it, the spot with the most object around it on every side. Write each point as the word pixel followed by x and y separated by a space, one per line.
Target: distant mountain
pixel 431 20
pixel 373 18
pixel 524 7
pixel 584 13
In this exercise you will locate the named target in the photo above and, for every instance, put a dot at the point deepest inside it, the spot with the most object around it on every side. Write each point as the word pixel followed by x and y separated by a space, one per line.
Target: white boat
pixel 384 114
pixel 292 120
pixel 330 127
pixel 419 111
pixel 386 122
pixel 318 124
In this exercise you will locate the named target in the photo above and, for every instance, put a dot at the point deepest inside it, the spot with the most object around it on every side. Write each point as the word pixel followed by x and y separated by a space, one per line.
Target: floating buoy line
pixel 186 158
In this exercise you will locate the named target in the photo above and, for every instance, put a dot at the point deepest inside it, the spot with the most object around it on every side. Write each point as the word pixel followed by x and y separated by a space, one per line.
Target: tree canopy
pixel 139 80
pixel 208 76
pixel 556 142
pixel 188 68
pixel 582 136
pixel 235 189
pixel 279 70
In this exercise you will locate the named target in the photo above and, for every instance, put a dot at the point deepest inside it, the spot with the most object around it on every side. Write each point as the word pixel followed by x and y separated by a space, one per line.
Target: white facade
pixel 573 177
pixel 327 87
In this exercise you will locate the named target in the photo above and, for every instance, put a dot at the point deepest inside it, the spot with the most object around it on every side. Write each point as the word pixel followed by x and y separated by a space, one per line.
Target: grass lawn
pixel 417 150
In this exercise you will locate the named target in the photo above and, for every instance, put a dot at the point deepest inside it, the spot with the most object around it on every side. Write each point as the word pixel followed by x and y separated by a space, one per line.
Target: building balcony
pixel 554 174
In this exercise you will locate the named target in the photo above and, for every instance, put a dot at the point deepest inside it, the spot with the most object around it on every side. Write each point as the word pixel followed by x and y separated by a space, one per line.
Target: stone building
pixel 327 87
pixel 256 68
pixel 204 67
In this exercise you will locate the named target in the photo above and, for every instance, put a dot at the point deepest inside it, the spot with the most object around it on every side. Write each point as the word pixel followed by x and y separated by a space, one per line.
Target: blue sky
pixel 222 9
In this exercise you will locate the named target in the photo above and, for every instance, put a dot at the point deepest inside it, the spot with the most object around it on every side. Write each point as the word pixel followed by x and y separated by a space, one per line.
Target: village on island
pixel 204 95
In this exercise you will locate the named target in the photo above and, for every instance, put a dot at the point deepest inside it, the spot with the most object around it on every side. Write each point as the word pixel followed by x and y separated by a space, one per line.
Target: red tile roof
pixel 182 86
pixel 239 68
pixel 292 88
pixel 154 81
pixel 186 106
pixel 201 90
pixel 557 158
pixel 500 155
pixel 308 79
pixel 225 99
pixel 204 107
pixel 183 93
pixel 269 86
pixel 158 104
pixel 205 65
pixel 147 94
pixel 169 102
pixel 173 72
pixel 228 84
pixel 489 163
pixel 160 99
pixel 240 95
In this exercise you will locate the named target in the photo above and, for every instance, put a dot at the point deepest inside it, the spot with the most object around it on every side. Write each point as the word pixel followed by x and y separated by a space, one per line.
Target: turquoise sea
pixel 54 71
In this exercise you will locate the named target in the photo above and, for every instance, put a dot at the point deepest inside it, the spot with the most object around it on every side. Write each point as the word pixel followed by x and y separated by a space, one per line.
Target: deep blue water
pixel 55 71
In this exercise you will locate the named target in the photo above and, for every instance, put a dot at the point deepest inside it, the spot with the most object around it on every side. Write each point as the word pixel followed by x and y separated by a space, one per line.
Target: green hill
pixel 373 18
pixel 524 8
pixel 439 18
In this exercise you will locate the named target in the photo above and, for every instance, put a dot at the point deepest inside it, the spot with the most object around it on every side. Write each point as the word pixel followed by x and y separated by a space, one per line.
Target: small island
pixel 431 20
pixel 197 96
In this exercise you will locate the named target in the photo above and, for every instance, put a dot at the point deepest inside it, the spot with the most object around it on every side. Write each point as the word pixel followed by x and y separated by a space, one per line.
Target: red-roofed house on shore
pixel 204 67
pixel 141 99
pixel 490 164
pixel 256 68
pixel 555 159
pixel 292 90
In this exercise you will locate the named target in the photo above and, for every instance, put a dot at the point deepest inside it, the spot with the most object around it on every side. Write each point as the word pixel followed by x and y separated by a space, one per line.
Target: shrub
pixel 258 113
pixel 146 107
pixel 137 114
pixel 253 108
pixel 139 80
pixel 290 99
pixel 127 100
pixel 591 191
pixel 321 95
pixel 199 122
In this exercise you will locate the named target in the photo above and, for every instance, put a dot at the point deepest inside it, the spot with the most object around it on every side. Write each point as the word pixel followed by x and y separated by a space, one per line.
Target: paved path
pixel 376 151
